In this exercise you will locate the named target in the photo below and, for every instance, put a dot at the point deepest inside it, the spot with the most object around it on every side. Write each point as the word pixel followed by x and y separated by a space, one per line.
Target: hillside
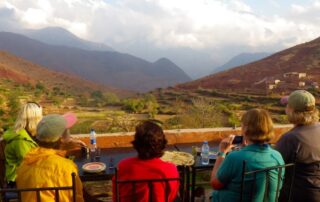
pixel 23 72
pixel 110 68
pixel 293 68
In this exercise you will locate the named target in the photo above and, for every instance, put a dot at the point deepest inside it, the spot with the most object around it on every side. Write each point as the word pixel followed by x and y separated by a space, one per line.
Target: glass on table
pixel 97 154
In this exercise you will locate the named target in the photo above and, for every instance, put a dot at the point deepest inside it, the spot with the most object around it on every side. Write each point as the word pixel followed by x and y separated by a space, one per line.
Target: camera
pixel 238 139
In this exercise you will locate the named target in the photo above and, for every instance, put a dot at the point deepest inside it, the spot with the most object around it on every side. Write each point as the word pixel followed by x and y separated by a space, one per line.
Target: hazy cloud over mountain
pixel 211 31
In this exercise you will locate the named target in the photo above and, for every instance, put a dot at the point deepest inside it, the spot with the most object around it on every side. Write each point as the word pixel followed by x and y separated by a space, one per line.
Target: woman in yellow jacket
pixel 46 166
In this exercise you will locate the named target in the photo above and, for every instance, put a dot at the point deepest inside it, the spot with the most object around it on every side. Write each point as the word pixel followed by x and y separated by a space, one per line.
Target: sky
pixel 198 35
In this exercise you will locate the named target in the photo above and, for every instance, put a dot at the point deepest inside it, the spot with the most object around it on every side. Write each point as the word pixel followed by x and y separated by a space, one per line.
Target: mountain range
pixel 241 59
pixel 105 67
pixel 61 37
pixel 21 71
pixel 293 68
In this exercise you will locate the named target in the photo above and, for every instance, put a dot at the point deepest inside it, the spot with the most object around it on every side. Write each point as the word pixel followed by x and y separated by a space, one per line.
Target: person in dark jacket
pixel 301 145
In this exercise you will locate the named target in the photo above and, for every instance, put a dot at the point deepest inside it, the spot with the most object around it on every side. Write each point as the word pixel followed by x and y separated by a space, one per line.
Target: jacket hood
pixel 11 134
pixel 41 153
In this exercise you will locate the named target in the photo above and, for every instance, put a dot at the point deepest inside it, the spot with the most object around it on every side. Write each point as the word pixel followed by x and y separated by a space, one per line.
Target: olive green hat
pixel 301 101
pixel 52 127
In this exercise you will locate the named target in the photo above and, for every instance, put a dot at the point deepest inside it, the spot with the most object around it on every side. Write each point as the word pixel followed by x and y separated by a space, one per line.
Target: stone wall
pixel 118 140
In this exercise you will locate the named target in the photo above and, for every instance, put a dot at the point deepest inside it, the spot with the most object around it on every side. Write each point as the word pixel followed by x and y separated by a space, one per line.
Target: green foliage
pixel 201 114
pixel 281 119
pixel 146 104
pixel 13 104
pixel 151 105
pixel 111 98
pixel 134 105
pixel 121 122
pixel 39 86
pixel 233 120
pixel 97 95
pixel 102 99
pixel 82 127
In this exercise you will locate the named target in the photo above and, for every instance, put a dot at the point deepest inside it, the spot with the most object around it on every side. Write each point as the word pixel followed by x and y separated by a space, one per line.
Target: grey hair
pixel 28 118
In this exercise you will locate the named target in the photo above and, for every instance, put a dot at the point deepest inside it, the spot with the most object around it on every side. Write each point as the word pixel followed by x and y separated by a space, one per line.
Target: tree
pixel 151 105
pixel 111 98
pixel 40 86
pixel 97 95
pixel 134 105
pixel 200 114
pixel 13 105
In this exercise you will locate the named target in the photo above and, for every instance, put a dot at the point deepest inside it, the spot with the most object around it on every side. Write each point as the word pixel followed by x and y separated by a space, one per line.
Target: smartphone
pixel 237 139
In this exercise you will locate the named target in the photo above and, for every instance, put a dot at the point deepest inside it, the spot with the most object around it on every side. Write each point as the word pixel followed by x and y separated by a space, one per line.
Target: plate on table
pixel 178 158
pixel 94 167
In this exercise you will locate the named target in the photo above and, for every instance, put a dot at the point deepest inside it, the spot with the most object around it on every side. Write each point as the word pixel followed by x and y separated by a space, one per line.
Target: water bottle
pixel 93 142
pixel 205 153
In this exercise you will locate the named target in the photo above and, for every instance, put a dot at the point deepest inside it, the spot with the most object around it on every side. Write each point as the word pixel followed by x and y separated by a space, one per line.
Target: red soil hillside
pixel 296 67
pixel 22 72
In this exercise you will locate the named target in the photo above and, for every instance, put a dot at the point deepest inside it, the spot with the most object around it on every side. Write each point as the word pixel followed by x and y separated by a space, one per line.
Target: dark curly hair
pixel 149 140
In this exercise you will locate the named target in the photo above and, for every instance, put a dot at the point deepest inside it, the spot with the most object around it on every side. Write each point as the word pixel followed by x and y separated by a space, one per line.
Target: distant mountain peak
pixel 241 59
pixel 62 37
pixel 165 62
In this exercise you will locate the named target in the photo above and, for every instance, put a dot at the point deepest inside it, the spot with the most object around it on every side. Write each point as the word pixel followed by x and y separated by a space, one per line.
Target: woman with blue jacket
pixel 257 130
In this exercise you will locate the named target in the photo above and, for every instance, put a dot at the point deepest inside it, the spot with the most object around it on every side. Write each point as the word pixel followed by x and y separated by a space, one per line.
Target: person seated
pixel 300 146
pixel 149 141
pixel 19 140
pixel 257 130
pixel 45 166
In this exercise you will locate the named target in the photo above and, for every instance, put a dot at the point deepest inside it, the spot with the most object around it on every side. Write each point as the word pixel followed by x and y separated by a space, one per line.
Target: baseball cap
pixel 52 126
pixel 300 101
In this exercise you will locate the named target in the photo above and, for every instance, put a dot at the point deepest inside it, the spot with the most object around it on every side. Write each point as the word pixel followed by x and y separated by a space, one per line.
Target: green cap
pixel 52 127
pixel 301 101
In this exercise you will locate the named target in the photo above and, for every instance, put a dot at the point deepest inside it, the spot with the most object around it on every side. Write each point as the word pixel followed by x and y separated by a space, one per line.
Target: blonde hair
pixel 28 118
pixel 303 118
pixel 258 125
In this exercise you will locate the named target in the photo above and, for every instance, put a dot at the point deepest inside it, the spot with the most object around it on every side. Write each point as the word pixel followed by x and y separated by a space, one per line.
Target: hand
pixel 226 144
pixel 73 140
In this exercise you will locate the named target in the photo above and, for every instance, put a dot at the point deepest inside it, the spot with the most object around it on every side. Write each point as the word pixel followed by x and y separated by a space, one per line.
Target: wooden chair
pixel 38 191
pixel 135 184
pixel 259 181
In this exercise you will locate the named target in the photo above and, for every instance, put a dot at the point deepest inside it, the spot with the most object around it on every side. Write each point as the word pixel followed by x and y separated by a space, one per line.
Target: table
pixel 197 167
pixel 187 173
pixel 96 185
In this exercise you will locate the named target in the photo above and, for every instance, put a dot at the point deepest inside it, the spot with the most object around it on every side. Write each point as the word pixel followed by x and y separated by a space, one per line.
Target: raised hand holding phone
pixel 226 144
pixel 238 139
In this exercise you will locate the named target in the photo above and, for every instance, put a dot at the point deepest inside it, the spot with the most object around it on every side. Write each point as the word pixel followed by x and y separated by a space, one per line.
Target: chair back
pixel 39 190
pixel 2 163
pixel 261 182
pixel 148 186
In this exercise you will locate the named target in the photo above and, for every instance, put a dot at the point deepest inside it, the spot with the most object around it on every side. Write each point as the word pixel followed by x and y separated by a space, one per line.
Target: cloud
pixel 216 28
pixel 168 23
